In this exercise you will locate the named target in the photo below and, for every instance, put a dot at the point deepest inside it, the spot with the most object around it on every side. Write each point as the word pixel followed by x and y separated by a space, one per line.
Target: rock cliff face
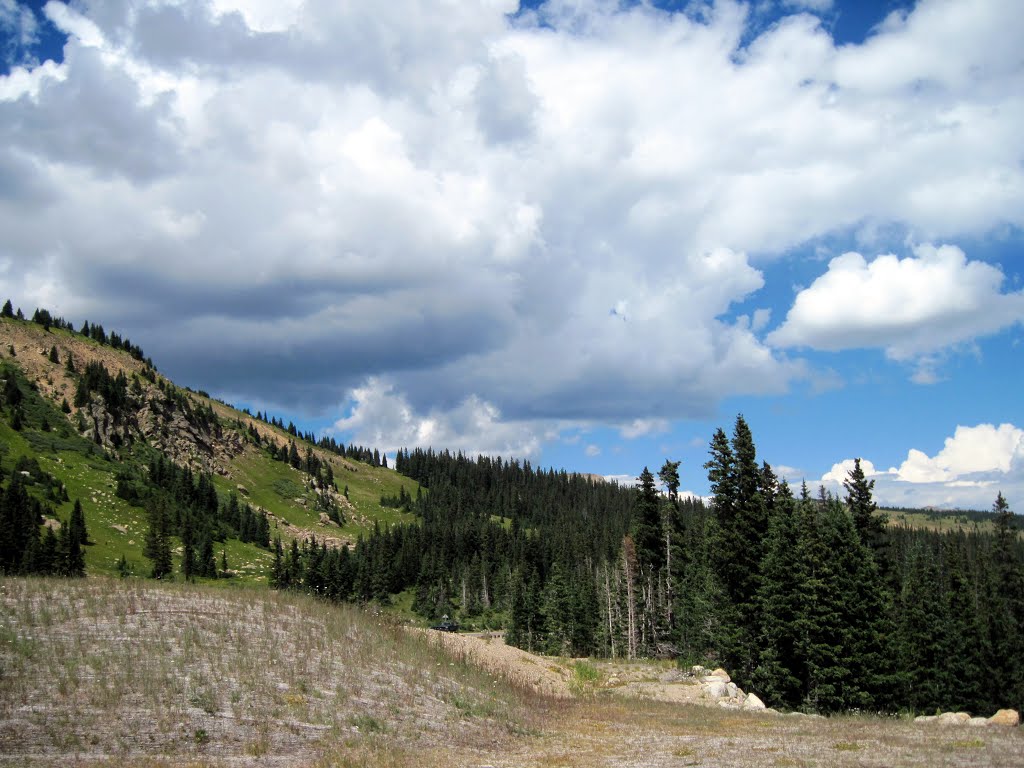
pixel 187 441
pixel 162 422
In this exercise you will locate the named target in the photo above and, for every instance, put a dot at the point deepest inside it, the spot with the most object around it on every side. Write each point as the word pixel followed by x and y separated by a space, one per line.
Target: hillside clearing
pixel 118 673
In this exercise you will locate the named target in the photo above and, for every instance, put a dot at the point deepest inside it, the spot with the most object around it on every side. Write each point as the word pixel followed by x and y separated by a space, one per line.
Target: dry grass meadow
pixel 103 672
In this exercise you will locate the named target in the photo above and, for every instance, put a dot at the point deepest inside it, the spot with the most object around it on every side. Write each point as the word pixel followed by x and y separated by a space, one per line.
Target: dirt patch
pixel 539 673
pixel 556 677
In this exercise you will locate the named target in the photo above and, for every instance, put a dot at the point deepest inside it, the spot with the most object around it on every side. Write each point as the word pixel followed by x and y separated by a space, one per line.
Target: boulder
pixel 732 690
pixel 722 675
pixel 1010 717
pixel 753 703
pixel 716 690
pixel 697 670
pixel 976 722
pixel 953 718
pixel 925 719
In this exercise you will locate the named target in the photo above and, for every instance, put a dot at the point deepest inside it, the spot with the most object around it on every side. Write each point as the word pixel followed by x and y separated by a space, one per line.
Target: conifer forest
pixel 809 599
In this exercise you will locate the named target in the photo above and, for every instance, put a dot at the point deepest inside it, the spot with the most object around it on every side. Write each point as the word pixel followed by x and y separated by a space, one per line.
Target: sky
pixel 579 232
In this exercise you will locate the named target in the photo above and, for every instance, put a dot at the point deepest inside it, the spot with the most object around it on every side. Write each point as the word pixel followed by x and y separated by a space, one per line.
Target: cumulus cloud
pixel 643 427
pixel 18 30
pixel 910 307
pixel 818 6
pixel 295 198
pixel 973 466
pixel 380 416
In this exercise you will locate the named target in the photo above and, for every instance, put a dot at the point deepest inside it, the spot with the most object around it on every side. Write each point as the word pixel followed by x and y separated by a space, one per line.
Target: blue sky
pixel 582 232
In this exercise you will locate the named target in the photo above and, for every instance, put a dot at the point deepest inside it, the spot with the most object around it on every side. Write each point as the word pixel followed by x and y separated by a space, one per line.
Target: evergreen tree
pixel 966 644
pixel 736 482
pixel 206 565
pixel 869 523
pixel 188 552
pixel 158 545
pixel 920 644
pixel 12 392
pixel 8 309
pixel 781 671
pixel 69 561
pixel 1007 605
pixel 669 476
pixel 77 524
pixel 278 572
pixel 646 523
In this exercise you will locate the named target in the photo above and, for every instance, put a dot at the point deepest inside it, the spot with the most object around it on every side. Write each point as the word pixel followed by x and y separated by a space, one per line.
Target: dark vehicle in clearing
pixel 446 625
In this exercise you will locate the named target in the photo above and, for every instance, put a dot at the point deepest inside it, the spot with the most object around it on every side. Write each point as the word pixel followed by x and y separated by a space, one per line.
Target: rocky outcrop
pixel 1004 717
pixel 1008 717
pixel 719 688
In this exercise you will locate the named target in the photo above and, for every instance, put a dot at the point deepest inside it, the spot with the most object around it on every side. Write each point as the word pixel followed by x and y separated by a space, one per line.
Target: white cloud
pixel 818 6
pixel 18 26
pixel 910 307
pixel 431 194
pixel 984 449
pixel 382 417
pixel 593 450
pixel 643 427
pixel 973 466
pixel 841 471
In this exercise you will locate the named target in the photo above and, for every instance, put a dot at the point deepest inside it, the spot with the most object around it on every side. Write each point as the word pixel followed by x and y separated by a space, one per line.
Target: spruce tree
pixel 188 552
pixel 781 671
pixel 158 545
pixel 669 476
pixel 1007 610
pixel 920 643
pixel 77 523
pixel 70 560
pixel 869 523
pixel 646 523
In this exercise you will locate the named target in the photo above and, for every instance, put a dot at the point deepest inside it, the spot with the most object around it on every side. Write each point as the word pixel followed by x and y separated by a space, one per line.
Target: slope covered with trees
pixel 171 483
pixel 813 601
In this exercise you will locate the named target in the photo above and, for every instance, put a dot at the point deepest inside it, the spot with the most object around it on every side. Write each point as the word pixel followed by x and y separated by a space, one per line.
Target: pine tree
pixel 188 552
pixel 780 674
pixel 646 524
pixel 1007 610
pixel 736 482
pixel 77 524
pixel 920 648
pixel 669 476
pixel 278 573
pixel 207 563
pixel 966 648
pixel 158 545
pixel 70 560
pixel 869 523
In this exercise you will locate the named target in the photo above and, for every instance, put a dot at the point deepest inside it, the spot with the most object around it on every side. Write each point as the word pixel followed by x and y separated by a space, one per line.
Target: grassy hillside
pixel 83 448
pixel 118 672
pixel 137 673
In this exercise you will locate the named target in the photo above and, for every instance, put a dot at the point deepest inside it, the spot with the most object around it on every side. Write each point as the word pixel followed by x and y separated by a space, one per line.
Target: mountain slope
pixel 106 414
